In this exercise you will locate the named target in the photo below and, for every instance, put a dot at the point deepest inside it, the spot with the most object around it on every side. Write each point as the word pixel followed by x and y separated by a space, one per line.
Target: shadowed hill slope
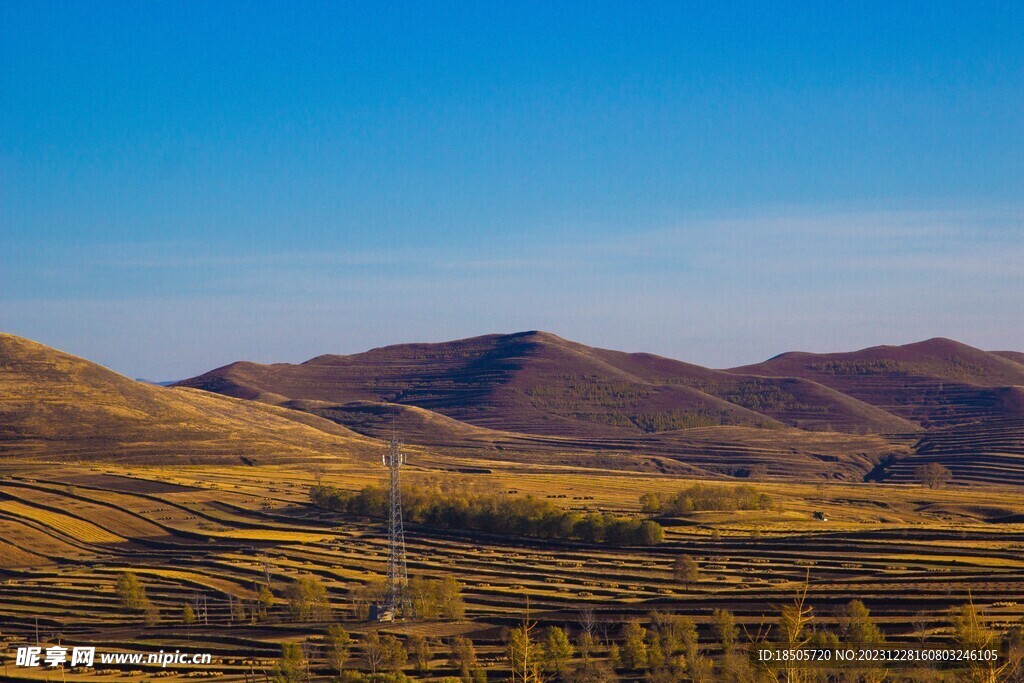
pixel 538 383
pixel 55 405
pixel 932 383
pixel 706 451
pixel 991 452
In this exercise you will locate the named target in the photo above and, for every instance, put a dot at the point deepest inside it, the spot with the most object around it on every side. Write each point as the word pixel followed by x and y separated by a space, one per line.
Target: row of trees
pixel 493 513
pixel 663 648
pixel 705 497
pixel 383 657
pixel 302 596
pixel 432 599
pixel 304 599
pixel 387 654
pixel 666 648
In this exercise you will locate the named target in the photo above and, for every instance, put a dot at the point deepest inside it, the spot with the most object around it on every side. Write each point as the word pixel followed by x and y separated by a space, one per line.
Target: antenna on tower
pixel 396 589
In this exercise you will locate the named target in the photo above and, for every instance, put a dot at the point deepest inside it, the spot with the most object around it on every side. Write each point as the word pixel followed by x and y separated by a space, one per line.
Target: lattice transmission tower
pixel 396 589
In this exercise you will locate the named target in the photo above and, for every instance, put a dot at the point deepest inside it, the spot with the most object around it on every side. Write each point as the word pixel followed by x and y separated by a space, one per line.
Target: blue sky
pixel 187 184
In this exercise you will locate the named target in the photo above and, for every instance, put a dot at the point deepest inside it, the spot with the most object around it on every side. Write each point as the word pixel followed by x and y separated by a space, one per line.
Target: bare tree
pixel 587 621
pixel 318 471
pixel 933 475
pixel 585 639
pixel 921 623
pixel 374 652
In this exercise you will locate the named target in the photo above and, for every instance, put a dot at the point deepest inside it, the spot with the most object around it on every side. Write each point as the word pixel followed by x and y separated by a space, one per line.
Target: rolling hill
pixel 877 413
pixel 705 451
pixel 538 383
pixel 57 406
pixel 938 382
pixel 535 397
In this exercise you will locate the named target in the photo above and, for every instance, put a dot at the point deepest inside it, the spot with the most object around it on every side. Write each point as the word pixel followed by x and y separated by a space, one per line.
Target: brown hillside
pixel 1015 356
pixel 538 383
pixel 706 451
pixel 55 405
pixel 991 451
pixel 418 425
pixel 935 382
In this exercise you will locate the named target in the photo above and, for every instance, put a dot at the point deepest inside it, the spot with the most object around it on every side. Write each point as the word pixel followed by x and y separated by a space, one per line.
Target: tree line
pixel 491 513
pixel 662 648
pixel 658 648
pixel 303 599
pixel 706 497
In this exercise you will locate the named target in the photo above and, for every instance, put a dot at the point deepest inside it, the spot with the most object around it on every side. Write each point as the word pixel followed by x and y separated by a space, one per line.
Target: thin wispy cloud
pixel 719 292
pixel 947 239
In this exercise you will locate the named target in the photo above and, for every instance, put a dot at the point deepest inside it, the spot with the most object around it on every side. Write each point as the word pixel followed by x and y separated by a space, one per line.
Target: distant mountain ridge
pixel 538 383
pixel 932 383
pixel 899 406
pixel 538 398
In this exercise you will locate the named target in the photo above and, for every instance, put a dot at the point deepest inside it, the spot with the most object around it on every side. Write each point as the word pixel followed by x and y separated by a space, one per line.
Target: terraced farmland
pixel 987 452
pixel 211 537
